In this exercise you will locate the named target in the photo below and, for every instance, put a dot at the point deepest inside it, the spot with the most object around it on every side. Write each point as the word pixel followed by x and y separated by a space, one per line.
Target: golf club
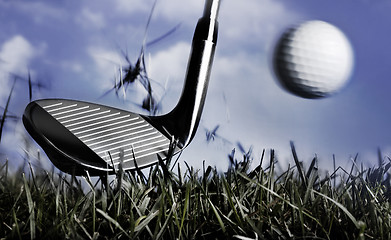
pixel 80 136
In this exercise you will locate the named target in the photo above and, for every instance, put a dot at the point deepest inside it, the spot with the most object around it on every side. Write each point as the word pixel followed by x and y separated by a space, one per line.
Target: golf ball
pixel 313 59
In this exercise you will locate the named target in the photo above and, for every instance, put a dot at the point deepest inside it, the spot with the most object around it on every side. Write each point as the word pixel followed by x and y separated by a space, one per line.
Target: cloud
pixel 16 53
pixel 254 22
pixel 177 10
pixel 107 63
pixel 170 63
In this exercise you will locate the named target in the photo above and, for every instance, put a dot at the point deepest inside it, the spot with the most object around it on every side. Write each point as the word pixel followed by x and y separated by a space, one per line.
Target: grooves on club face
pixel 79 136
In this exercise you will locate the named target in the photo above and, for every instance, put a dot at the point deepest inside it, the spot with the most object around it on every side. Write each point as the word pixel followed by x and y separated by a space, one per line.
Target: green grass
pixel 199 204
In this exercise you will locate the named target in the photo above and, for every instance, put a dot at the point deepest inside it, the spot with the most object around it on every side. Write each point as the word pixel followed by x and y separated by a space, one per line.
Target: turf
pixel 174 203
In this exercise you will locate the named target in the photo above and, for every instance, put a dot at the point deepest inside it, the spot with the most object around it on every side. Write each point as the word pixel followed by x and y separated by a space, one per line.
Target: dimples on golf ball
pixel 313 60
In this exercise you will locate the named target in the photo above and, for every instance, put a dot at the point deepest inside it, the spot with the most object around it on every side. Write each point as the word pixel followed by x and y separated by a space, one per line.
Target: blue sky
pixel 74 47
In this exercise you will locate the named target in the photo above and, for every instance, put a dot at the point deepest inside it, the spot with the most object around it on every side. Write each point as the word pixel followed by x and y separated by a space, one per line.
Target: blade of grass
pixel 88 180
pixel 270 181
pixel 82 226
pixel 230 198
pixel 112 221
pixel 352 168
pixel 138 170
pixel 140 214
pixel 335 169
pixel 169 219
pixel 216 213
pixel 311 168
pixel 146 221
pixel 187 198
pixel 346 211
pixel 166 173
pixel 311 181
pixel 281 198
pixel 30 204
pixel 16 224
pixel 6 110
pixel 246 238
pixel 298 165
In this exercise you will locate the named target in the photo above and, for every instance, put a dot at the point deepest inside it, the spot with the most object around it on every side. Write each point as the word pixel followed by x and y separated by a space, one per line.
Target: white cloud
pixel 107 63
pixel 178 10
pixel 170 63
pixel 16 53
pixel 254 21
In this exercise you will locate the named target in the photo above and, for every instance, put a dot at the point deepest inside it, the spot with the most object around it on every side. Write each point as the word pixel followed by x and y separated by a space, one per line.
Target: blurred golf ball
pixel 313 60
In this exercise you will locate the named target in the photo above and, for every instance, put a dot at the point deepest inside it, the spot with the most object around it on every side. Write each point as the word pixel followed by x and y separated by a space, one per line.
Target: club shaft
pixel 211 9
pixel 186 115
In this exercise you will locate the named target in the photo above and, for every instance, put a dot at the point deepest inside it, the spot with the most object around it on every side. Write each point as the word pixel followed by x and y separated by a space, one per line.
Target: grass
pixel 176 203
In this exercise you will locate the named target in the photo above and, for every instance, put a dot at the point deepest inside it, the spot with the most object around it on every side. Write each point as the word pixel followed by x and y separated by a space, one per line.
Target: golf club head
pixel 79 136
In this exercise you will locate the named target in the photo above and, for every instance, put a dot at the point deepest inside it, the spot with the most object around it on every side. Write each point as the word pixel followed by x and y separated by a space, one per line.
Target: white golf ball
pixel 313 60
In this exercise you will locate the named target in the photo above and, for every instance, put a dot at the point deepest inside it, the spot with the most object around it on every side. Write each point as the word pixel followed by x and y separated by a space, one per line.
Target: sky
pixel 74 49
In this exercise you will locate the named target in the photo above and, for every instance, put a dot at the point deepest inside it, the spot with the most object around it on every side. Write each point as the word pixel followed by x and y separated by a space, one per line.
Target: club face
pixel 79 136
